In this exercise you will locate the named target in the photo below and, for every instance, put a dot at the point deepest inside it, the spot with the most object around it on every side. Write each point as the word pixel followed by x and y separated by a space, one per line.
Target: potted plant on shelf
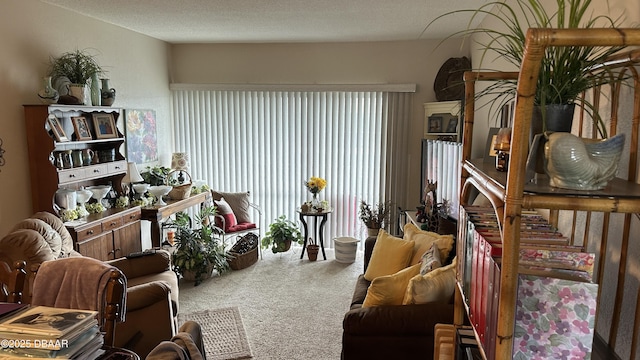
pixel 565 73
pixel 282 232
pixel 198 250
pixel 374 217
pixel 78 67
pixel 156 175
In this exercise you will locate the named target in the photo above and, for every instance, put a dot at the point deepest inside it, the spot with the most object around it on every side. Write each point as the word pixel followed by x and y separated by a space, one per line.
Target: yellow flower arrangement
pixel 315 184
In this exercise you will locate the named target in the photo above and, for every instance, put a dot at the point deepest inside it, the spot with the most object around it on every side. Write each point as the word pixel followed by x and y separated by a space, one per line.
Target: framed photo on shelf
pixel 442 123
pixel 490 151
pixel 105 126
pixel 56 128
pixel 435 124
pixel 81 128
pixel 452 126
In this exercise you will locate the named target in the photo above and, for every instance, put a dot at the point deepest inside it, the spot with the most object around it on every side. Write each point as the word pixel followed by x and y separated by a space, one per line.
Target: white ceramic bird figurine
pixel 581 164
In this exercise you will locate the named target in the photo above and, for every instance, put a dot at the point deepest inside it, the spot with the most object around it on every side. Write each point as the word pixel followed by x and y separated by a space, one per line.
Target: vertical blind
pixel 270 142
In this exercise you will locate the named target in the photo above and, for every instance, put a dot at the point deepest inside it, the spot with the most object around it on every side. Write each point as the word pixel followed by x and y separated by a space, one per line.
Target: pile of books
pixel 548 264
pixel 41 332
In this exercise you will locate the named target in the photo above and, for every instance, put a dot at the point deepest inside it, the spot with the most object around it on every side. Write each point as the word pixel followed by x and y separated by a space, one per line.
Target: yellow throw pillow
pixel 390 289
pixel 436 286
pixel 390 255
pixel 424 239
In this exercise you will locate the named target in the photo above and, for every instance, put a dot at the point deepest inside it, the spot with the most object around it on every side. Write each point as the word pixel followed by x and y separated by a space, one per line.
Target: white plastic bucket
pixel 345 249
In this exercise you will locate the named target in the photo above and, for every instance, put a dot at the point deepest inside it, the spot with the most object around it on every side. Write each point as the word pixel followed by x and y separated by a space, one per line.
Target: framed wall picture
pixel 105 126
pixel 56 128
pixel 140 130
pixel 81 128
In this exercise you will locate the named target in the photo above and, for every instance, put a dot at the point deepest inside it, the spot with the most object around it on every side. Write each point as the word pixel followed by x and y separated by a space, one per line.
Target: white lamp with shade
pixel 132 176
pixel 180 162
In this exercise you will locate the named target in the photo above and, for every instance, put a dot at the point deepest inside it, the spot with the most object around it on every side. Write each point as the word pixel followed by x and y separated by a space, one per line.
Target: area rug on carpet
pixel 223 333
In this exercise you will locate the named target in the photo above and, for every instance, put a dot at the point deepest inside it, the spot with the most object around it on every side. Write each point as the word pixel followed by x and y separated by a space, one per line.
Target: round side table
pixel 318 229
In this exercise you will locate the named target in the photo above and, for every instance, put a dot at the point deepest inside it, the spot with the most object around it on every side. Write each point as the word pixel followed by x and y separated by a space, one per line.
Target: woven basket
pixel 242 261
pixel 180 192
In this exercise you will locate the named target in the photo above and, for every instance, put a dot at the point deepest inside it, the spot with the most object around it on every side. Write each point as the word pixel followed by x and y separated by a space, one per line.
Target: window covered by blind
pixel 270 142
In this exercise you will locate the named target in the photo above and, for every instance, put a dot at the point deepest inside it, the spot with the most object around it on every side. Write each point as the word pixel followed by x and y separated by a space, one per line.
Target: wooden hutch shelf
pixel 113 233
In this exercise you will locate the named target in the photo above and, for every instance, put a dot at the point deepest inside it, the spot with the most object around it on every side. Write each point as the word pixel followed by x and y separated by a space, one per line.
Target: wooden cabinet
pixel 108 166
pixel 509 195
pixel 109 235
pixel 51 132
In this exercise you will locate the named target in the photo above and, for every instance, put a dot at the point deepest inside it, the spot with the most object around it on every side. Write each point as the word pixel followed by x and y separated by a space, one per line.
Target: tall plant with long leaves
pixel 566 72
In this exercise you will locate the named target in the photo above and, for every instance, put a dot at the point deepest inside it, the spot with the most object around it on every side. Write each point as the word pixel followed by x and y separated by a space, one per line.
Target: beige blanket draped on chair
pixel 74 283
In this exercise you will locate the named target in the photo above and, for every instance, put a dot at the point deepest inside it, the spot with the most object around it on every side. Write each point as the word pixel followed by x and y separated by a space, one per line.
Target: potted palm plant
pixel 565 73
pixel 78 67
pixel 374 216
pixel 198 250
pixel 281 234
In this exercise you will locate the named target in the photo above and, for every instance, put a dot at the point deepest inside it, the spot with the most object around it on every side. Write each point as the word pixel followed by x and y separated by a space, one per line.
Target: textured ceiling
pixel 242 21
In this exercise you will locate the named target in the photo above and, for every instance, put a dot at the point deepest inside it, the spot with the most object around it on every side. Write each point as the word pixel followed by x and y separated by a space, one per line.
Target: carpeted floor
pixel 291 308
pixel 222 331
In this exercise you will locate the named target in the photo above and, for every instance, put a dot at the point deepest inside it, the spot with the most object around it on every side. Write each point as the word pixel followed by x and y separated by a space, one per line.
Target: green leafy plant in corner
pixel 78 66
pixel 280 231
pixel 566 72
pixel 199 250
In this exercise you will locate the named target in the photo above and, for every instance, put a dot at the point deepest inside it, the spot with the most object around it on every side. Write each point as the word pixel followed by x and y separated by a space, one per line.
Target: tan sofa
pixel 152 287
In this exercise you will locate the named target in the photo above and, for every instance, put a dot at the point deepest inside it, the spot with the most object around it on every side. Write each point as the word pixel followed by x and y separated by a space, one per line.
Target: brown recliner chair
pixel 152 287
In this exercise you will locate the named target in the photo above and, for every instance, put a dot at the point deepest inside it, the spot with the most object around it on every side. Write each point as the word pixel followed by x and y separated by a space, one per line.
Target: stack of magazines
pixel 41 332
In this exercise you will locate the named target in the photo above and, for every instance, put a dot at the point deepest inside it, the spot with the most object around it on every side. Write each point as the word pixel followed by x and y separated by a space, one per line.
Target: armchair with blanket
pixel 152 287
pixel 403 292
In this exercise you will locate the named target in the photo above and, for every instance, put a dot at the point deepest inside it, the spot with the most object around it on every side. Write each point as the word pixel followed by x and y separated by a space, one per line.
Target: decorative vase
pixel 108 95
pixel 581 164
pixel 95 90
pixel 373 232
pixel 78 92
pixel 315 203
pixel 48 95
pixel 312 252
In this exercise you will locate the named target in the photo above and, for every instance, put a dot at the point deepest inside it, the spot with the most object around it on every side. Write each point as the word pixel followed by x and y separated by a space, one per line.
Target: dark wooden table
pixel 319 231
pixel 156 213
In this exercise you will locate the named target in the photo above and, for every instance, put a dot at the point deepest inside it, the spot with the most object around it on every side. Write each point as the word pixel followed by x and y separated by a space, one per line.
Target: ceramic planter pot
pixel 582 164
pixel 312 252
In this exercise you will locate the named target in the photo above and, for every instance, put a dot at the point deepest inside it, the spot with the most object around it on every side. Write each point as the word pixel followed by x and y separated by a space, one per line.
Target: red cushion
pixel 229 217
pixel 241 227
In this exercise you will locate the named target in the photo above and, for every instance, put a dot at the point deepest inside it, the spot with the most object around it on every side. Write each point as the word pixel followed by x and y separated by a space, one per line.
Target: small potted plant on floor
pixel 282 232
pixel 312 249
pixel 198 250
pixel 374 217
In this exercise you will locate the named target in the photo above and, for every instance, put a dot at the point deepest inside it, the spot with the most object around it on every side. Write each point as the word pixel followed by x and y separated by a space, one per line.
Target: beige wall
pixel 325 63
pixel 30 32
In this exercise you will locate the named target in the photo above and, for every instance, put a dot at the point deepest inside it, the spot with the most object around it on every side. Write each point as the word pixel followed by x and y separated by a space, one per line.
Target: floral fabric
pixel 554 319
